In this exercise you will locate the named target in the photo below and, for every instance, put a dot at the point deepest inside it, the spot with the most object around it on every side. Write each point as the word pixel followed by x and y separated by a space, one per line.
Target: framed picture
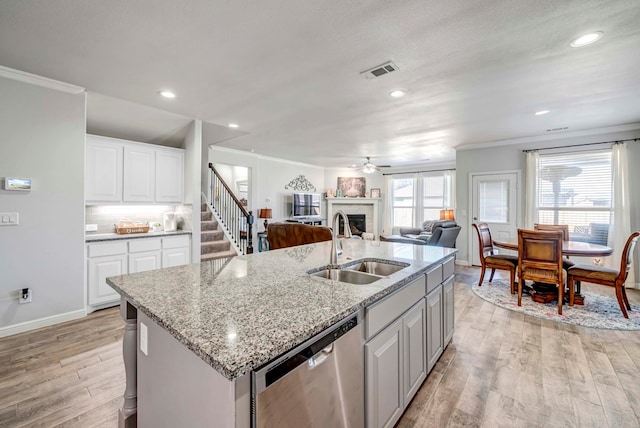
pixel 352 187
pixel 375 193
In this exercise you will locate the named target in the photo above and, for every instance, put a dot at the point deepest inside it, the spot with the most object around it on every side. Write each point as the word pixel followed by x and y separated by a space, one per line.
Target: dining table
pixel 543 292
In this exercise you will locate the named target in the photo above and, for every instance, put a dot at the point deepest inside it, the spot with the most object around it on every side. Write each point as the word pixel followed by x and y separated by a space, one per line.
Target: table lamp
pixel 446 215
pixel 265 213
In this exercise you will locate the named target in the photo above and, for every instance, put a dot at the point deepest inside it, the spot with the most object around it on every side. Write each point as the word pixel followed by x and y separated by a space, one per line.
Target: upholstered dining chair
pixel 492 261
pixel 606 276
pixel 540 260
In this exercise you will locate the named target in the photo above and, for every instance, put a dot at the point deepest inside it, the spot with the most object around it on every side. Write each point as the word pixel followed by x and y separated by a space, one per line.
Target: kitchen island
pixel 234 315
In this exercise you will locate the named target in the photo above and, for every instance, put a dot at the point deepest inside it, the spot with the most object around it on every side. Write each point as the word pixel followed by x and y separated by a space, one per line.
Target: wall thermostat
pixel 17 183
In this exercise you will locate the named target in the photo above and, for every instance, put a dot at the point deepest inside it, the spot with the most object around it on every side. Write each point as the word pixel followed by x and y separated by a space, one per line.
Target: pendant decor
pixel 301 183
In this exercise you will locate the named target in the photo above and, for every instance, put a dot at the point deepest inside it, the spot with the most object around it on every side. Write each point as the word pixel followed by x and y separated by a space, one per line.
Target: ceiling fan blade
pixel 383 166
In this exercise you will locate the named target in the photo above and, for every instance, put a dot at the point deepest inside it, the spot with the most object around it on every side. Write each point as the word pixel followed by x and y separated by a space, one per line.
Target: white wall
pixel 192 178
pixel 43 134
pixel 511 157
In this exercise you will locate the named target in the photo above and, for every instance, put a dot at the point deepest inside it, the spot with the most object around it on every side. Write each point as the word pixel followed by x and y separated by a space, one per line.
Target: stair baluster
pixel 233 216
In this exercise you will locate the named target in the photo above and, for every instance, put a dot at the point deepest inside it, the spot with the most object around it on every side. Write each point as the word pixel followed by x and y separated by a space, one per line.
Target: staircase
pixel 213 243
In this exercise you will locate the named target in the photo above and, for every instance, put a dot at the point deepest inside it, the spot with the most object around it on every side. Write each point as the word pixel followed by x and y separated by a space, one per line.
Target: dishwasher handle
pixel 306 354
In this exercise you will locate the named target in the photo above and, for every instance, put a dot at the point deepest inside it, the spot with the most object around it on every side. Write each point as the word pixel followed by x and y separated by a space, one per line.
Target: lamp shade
pixel 265 213
pixel 446 215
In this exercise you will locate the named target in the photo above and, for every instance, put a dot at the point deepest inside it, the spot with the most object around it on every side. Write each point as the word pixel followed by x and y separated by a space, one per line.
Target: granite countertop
pixel 238 313
pixel 97 237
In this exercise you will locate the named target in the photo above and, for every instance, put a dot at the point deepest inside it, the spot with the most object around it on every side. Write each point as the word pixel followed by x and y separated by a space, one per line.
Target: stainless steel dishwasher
pixel 317 384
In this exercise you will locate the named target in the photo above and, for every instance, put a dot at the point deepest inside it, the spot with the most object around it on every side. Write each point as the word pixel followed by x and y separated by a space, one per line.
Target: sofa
pixel 439 233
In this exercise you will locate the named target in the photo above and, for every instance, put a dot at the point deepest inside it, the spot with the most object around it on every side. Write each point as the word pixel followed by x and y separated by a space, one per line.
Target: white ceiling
pixel 288 71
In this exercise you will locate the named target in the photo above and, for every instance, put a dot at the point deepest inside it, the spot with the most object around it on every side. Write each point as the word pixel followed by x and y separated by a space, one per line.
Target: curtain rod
pixel 584 144
pixel 418 172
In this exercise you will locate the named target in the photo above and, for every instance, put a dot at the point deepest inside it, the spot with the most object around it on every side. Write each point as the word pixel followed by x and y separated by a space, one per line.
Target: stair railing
pixel 234 217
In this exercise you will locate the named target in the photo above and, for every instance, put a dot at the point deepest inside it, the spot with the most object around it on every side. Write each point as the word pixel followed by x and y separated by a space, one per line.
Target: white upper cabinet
pixel 169 176
pixel 103 161
pixel 130 172
pixel 139 174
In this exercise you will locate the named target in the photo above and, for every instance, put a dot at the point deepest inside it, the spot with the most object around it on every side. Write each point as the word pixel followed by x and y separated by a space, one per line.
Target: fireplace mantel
pixel 356 206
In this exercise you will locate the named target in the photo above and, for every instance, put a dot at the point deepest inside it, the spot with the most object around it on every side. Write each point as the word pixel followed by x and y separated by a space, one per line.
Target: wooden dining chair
pixel 494 261
pixel 606 276
pixel 540 260
pixel 566 263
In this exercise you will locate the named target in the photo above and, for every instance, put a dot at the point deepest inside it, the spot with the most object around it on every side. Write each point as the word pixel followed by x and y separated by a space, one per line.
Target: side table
pixel 263 244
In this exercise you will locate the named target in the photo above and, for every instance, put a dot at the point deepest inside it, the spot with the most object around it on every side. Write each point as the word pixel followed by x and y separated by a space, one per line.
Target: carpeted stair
pixel 213 243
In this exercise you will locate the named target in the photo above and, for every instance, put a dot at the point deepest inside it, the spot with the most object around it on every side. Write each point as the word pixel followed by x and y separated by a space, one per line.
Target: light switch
pixel 9 219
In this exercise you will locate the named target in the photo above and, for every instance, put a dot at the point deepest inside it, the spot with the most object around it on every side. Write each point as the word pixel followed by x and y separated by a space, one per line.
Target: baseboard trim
pixel 41 322
pixel 463 263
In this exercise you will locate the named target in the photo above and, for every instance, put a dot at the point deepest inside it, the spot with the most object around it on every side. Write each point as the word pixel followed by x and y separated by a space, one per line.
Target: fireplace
pixel 358 223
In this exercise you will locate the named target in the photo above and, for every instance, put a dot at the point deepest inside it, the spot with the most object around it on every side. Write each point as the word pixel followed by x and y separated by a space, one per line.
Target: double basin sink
pixel 360 272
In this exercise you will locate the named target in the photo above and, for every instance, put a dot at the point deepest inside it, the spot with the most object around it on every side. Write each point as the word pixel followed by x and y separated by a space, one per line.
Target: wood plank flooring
pixel 501 369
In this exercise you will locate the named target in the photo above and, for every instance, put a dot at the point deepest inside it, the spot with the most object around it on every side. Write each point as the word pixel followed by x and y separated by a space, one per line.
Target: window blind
pixel 576 189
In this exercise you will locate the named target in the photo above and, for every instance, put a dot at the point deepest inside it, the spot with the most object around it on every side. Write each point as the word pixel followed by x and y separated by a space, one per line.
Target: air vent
pixel 558 129
pixel 381 70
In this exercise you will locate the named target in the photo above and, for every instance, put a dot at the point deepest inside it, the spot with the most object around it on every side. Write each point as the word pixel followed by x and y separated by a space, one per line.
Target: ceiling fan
pixel 370 168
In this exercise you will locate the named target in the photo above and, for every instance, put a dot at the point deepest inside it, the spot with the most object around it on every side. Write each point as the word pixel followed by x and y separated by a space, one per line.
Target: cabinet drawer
pixel 176 242
pixel 434 278
pixel 448 267
pixel 107 249
pixel 144 244
pixel 391 307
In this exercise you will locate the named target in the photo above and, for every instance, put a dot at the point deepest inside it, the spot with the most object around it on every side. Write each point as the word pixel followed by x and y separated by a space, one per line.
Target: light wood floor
pixel 501 369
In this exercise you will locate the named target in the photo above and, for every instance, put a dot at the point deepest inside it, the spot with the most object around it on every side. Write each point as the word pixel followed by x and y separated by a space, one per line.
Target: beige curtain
pixel 620 227
pixel 531 183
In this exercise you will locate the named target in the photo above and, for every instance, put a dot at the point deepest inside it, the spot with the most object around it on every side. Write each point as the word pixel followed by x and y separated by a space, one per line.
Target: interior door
pixel 495 202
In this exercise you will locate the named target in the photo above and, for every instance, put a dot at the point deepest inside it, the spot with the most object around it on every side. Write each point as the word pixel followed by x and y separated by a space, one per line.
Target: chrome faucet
pixel 336 246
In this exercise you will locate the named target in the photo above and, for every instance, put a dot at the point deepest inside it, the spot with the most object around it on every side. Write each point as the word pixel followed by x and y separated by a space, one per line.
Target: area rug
pixel 598 311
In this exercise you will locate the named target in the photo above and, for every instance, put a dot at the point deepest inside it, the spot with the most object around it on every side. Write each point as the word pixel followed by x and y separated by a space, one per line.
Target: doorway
pixel 495 201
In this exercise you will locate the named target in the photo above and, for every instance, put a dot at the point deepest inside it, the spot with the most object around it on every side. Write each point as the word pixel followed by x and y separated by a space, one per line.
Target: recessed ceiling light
pixel 353 165
pixel 167 94
pixel 541 112
pixel 587 39
pixel 233 125
pixel 398 93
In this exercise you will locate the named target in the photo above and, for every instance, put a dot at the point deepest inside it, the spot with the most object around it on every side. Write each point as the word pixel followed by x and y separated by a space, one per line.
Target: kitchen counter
pixel 97 237
pixel 237 314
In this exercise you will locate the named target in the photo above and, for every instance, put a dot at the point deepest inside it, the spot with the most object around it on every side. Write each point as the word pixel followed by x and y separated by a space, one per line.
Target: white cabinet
pixel 141 262
pixel 139 174
pixel 131 172
pixel 434 327
pixel 105 259
pixel 169 178
pixel 125 256
pixel 176 251
pixel 414 337
pixel 448 312
pixel 104 166
pixel 384 393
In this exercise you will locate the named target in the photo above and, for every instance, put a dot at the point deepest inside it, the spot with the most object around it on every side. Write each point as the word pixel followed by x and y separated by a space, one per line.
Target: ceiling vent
pixel 558 129
pixel 381 70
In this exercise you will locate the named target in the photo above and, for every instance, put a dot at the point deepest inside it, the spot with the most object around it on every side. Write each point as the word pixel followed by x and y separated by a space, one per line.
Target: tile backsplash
pixel 105 216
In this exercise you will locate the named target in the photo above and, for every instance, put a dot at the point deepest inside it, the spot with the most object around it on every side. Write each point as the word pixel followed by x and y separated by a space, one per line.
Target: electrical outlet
pixel 143 339
pixel 26 295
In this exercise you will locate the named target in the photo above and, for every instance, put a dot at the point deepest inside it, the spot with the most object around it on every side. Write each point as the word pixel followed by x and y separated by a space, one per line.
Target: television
pixel 306 205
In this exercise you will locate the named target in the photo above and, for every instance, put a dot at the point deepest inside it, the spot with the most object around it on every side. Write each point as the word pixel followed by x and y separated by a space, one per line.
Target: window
pixel 421 197
pixel 403 201
pixel 576 189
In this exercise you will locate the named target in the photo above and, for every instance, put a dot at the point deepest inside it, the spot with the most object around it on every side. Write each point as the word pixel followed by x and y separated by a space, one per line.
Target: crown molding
pixel 262 157
pixel 551 136
pixel 34 79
